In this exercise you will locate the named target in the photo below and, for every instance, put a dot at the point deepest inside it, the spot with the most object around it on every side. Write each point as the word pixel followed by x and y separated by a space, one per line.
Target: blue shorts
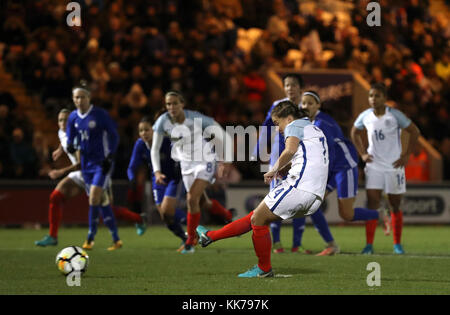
pixel 345 181
pixel 96 178
pixel 161 191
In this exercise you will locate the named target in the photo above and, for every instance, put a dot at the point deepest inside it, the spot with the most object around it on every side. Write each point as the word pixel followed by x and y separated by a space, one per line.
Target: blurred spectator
pixel 443 66
pixel 23 159
pixel 215 52
pixel 445 150
pixel 136 98
pixel 42 151
pixel 418 167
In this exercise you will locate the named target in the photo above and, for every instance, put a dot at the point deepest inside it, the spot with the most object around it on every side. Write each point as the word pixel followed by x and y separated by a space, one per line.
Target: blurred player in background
pixel 384 158
pixel 293 88
pixel 343 173
pixel 95 133
pixel 299 195
pixel 186 130
pixel 164 194
pixel 71 186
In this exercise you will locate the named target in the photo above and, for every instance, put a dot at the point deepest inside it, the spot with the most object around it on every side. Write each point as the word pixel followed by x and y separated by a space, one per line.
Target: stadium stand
pixel 218 53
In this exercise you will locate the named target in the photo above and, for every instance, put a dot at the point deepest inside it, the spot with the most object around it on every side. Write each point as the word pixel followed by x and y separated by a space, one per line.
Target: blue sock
pixel 110 222
pixel 180 216
pixel 177 229
pixel 276 228
pixel 365 214
pixel 94 212
pixel 298 226
pixel 321 225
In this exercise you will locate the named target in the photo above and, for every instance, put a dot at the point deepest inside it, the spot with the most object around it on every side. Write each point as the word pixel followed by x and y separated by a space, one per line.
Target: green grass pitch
pixel 150 264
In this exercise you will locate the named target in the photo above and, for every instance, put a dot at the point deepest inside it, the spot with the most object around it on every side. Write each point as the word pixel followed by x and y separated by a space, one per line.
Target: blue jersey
pixel 343 154
pixel 141 154
pixel 277 145
pixel 96 135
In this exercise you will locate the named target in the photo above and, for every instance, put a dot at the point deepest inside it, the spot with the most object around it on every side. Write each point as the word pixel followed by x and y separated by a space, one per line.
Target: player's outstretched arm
pixel 61 172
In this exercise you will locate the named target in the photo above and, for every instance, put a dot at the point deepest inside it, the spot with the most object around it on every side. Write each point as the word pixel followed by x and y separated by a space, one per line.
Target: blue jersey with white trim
pixel 141 154
pixel 95 134
pixel 343 154
pixel 265 138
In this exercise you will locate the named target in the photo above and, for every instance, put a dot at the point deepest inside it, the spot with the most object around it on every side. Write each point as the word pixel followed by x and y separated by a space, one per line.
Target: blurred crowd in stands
pixel 216 52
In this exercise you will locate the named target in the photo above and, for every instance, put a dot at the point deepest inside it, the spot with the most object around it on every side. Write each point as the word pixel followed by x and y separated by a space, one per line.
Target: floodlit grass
pixel 150 264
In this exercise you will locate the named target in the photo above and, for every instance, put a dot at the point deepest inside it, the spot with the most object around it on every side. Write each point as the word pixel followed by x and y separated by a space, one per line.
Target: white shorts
pixel 288 202
pixel 77 177
pixel 391 182
pixel 197 170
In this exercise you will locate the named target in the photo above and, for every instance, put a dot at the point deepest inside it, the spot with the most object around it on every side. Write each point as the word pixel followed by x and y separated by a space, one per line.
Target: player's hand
pixel 224 170
pixel 160 178
pixel 54 174
pixel 284 171
pixel 367 158
pixel 269 176
pixel 57 154
pixel 71 149
pixel 107 164
pixel 402 161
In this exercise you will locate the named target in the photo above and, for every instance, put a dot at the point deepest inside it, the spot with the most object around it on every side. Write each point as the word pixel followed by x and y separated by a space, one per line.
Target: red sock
pixel 235 228
pixel 124 214
pixel 193 219
pixel 55 212
pixel 219 210
pixel 263 246
pixel 371 226
pixel 397 225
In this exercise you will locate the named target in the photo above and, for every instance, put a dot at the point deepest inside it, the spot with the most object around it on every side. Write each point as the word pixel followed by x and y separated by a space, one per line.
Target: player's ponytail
pixel 286 108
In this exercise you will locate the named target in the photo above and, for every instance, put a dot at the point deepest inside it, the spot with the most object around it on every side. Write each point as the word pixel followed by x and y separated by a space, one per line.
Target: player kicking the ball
pixel 299 195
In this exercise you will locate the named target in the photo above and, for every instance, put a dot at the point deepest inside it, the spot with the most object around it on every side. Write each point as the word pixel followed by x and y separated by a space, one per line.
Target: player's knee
pixel 56 196
pixel 257 219
pixel 192 200
pixel 95 200
pixel 346 216
pixel 168 219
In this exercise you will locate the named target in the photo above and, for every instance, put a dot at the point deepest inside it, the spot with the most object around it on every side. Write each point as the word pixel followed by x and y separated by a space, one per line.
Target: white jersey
pixel 384 136
pixel 63 140
pixel 309 169
pixel 188 138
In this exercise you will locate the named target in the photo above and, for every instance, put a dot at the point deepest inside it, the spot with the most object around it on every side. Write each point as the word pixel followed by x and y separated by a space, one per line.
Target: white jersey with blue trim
pixel 188 143
pixel 383 133
pixel 309 169
pixel 62 135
